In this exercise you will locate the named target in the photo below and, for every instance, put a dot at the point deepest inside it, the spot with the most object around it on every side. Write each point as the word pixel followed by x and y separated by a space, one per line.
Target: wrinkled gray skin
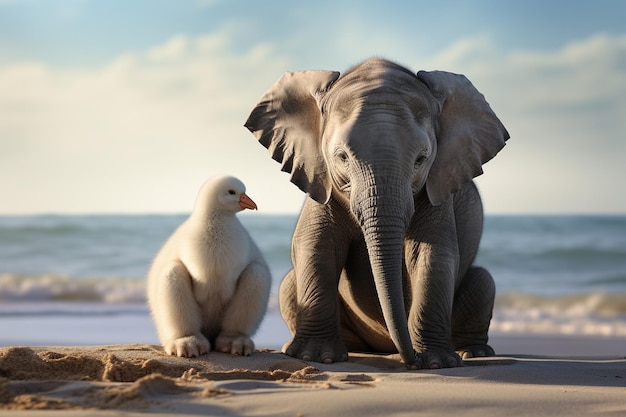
pixel 384 247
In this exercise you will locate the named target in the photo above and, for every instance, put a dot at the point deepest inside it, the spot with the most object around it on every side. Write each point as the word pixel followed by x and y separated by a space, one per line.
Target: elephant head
pixel 376 138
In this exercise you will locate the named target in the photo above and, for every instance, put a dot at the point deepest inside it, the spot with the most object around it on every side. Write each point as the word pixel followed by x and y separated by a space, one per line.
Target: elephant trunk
pixel 384 213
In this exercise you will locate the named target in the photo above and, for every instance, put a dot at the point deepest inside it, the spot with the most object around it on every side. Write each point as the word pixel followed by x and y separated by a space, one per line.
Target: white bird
pixel 209 284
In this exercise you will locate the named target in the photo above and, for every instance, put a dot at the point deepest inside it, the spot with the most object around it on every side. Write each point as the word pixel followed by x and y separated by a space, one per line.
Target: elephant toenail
pixel 453 362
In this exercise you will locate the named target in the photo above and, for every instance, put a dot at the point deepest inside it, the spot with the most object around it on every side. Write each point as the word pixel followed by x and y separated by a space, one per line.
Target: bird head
pixel 224 194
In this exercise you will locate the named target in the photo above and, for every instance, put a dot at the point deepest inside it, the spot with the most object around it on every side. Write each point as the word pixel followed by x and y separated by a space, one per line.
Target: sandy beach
pixel 71 345
pixel 587 377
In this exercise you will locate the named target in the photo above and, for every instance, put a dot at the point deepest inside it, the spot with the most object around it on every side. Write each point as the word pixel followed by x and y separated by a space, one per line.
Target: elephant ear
pixel 288 122
pixel 469 133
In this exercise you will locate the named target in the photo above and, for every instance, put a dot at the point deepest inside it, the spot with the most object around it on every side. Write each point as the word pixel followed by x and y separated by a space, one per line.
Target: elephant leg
pixel 287 300
pixel 471 314
pixel 432 265
pixel 305 348
pixel 309 296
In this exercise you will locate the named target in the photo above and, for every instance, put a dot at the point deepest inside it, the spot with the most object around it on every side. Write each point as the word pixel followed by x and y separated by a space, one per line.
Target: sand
pixel 140 379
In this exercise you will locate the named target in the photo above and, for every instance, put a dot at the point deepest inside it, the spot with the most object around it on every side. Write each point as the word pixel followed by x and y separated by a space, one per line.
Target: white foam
pixel 593 314
pixel 542 321
pixel 61 288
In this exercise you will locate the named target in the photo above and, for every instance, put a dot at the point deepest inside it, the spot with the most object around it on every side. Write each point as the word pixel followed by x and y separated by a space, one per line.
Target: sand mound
pixel 63 378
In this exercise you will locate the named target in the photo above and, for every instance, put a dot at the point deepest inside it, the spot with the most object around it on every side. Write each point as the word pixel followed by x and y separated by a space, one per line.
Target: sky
pixel 129 106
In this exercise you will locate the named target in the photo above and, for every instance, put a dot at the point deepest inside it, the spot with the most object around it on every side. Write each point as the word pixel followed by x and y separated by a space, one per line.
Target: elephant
pixel 384 247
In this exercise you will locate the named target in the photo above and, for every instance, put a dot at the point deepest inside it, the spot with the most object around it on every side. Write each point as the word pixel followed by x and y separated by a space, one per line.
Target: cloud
pixel 173 50
pixel 112 138
pixel 564 110
pixel 142 132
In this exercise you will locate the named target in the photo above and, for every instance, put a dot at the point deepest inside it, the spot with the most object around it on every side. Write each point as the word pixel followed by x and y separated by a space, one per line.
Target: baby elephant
pixel 383 252
pixel 209 284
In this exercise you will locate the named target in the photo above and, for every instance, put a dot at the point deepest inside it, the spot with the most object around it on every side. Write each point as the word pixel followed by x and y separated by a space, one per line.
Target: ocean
pixel 80 279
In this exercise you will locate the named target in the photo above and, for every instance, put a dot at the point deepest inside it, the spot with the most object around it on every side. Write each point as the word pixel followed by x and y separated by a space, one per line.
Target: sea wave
pixel 18 290
pixel 56 287
pixel 594 313
pixel 584 303
pixel 7 233
pixel 69 311
pixel 62 288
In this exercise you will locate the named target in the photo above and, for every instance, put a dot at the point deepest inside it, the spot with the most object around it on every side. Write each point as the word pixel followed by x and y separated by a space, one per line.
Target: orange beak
pixel 246 202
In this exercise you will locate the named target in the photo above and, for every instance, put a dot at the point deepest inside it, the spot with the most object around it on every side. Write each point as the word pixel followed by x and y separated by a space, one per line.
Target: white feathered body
pixel 209 277
pixel 216 257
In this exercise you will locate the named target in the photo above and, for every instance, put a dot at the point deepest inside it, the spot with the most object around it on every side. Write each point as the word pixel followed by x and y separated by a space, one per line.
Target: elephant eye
pixel 341 155
pixel 420 160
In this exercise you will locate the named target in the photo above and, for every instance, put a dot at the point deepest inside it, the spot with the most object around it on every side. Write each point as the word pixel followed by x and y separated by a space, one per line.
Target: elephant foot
pixel 439 358
pixel 316 350
pixel 475 351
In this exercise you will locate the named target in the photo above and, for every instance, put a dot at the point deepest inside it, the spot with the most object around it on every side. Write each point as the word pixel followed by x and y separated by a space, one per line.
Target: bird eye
pixel 231 192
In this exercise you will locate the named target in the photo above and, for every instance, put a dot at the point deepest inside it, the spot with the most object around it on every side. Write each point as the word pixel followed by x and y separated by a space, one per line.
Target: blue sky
pixel 128 106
